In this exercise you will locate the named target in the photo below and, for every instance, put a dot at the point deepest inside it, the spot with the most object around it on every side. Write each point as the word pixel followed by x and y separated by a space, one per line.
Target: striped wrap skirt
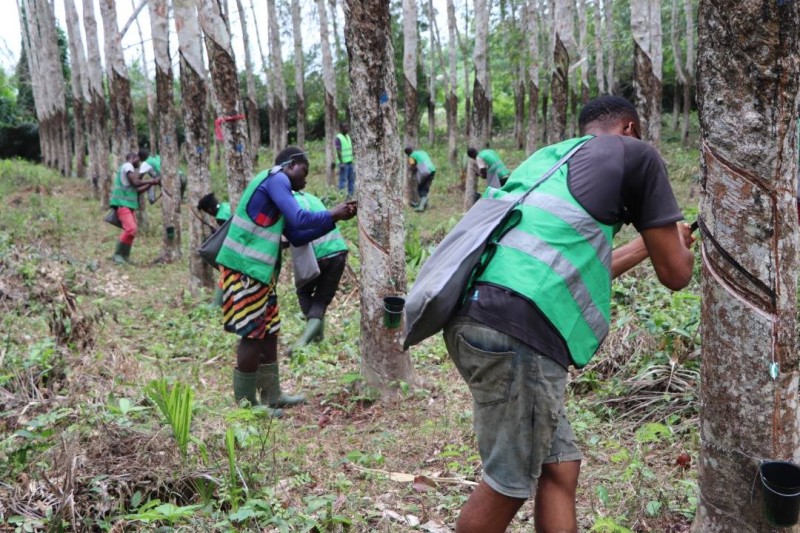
pixel 249 307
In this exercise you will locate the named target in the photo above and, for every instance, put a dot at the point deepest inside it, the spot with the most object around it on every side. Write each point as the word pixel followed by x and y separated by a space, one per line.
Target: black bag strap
pixel 550 172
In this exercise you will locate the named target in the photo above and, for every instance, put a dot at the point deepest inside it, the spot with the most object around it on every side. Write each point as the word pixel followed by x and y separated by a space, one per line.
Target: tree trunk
pixel 195 120
pixel 299 73
pixel 279 107
pixel 329 80
pixel 81 100
pixel 611 37
pixel 748 398
pixel 599 60
pixel 533 76
pixel 384 364
pixel 688 70
pixel 647 60
pixel 152 118
pixel 167 142
pixel 98 132
pixel 680 76
pixel 452 99
pixel 432 76
pixel 410 87
pixel 481 97
pixel 238 161
pixel 559 84
pixel 251 105
pixel 268 84
pixel 516 41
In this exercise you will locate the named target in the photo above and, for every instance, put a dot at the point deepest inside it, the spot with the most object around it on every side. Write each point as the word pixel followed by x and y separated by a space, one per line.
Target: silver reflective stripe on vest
pixel 541 250
pixel 255 229
pixel 328 237
pixel 577 218
pixel 248 252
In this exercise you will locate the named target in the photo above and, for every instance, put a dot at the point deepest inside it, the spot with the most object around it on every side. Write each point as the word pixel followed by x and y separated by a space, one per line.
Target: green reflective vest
pixel 423 161
pixel 555 254
pixel 223 212
pixel 332 242
pixel 347 148
pixel 249 248
pixel 123 195
pixel 496 170
pixel 155 162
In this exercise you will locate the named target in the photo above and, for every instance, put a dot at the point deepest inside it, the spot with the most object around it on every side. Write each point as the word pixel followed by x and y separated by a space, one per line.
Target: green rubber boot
pixel 423 204
pixel 314 331
pixel 244 388
pixel 268 383
pixel 121 253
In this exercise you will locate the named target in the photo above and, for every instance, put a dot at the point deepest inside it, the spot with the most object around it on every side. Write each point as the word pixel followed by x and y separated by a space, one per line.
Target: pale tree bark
pixel 152 118
pixel 533 75
pixel 230 110
pixel 80 85
pixel 688 70
pixel 431 76
pixel 515 41
pixel 611 36
pixel 647 65
pixel 268 85
pixel 30 42
pixel 195 122
pixel 299 73
pixel 54 76
pixel 279 106
pixel 373 98
pixel 337 40
pixel 329 81
pixel 411 137
pixel 462 44
pixel 583 51
pixel 563 45
pixel 680 77
pixel 481 98
pixel 747 75
pixel 452 85
pixel 98 131
pixel 123 135
pixel 599 60
pixel 167 138
pixel 251 105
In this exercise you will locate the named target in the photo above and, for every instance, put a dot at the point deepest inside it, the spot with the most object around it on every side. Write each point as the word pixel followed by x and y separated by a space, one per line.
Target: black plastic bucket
pixel 780 488
pixel 393 311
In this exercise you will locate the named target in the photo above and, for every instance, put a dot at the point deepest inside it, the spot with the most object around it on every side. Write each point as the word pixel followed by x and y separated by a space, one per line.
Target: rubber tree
pixel 452 85
pixel 279 102
pixel 747 83
pixel 299 73
pixel 268 85
pixel 251 103
pixel 81 100
pixel 481 118
pixel 534 64
pixel 152 118
pixel 194 95
pixel 98 123
pixel 329 80
pixel 599 57
pixel 410 52
pixel 373 99
pixel 230 119
pixel 167 135
pixel 647 65
pixel 562 47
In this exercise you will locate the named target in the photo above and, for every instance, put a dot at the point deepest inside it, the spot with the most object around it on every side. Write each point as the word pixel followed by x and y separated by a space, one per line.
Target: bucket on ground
pixel 393 311
pixel 780 488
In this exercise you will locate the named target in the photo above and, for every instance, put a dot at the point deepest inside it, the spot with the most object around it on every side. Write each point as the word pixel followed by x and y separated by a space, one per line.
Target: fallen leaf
pixel 423 484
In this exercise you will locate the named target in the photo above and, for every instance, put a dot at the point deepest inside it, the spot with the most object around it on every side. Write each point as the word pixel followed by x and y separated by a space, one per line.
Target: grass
pixel 82 447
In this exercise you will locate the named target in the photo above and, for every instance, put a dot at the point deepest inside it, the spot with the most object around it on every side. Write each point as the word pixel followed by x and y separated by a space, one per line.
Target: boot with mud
pixel 244 388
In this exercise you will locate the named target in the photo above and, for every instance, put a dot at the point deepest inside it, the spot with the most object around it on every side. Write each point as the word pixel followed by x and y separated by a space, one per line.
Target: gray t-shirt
pixel 123 173
pixel 617 180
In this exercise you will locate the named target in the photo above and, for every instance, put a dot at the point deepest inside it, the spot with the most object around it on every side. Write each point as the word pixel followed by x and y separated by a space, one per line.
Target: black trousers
pixel 316 296
pixel 425 185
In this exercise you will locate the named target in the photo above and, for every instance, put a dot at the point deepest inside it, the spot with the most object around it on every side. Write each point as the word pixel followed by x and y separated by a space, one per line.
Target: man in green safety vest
pixel 541 302
pixel 490 166
pixel 250 261
pixel 221 211
pixel 128 183
pixel 421 165
pixel 315 296
pixel 344 158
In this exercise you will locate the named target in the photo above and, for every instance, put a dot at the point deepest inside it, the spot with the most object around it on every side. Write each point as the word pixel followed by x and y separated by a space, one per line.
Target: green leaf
pixel 602 494
pixel 653 507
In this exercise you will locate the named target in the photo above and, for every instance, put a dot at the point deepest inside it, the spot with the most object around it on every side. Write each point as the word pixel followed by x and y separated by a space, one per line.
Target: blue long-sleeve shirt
pixel 273 198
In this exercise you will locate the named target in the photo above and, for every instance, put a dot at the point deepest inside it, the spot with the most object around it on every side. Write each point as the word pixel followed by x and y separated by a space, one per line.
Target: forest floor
pixel 83 446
